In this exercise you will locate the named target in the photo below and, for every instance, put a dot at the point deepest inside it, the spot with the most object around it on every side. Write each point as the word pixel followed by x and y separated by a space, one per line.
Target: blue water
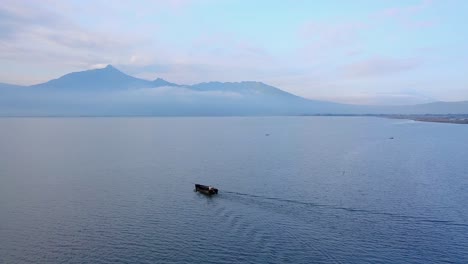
pixel 315 190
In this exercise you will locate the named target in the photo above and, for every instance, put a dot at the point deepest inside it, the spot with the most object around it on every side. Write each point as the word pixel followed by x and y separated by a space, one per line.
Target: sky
pixel 360 51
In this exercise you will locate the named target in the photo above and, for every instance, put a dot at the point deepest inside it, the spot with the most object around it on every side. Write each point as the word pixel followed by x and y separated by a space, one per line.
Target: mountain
pixel 108 78
pixel 4 86
pixel 246 88
pixel 160 82
pixel 260 98
pixel 108 91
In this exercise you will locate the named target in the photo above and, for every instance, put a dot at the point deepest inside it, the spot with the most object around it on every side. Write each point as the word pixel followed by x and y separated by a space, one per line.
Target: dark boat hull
pixel 208 190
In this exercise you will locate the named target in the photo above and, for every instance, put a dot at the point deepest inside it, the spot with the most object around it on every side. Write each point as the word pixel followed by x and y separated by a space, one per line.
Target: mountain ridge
pixel 111 91
pixel 108 78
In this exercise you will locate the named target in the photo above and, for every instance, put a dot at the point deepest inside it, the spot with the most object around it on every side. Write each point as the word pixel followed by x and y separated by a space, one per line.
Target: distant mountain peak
pixel 109 67
pixel 161 82
pixel 209 98
pixel 107 72
pixel 107 78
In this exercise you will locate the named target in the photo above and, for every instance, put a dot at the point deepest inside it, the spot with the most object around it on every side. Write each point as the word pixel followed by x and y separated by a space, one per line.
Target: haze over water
pixel 292 190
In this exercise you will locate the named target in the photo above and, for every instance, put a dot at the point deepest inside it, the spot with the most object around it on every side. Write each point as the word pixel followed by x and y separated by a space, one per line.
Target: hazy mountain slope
pixel 266 98
pixel 10 86
pixel 161 82
pixel 109 91
pixel 245 88
pixel 108 78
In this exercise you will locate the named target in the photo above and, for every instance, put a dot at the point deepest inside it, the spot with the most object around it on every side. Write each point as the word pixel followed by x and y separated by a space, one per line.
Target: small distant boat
pixel 208 190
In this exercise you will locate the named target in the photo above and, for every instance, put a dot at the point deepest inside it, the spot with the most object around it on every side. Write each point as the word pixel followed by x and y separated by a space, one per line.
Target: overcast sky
pixel 360 51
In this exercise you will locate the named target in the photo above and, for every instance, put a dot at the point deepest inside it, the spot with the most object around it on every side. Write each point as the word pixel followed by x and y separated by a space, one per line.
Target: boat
pixel 208 190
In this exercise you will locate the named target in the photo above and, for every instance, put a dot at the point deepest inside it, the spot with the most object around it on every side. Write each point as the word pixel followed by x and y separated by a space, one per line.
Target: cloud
pixel 32 31
pixel 180 93
pixel 377 98
pixel 407 11
pixel 211 56
pixel 321 40
pixel 195 71
pixel 409 16
pixel 380 66
pixel 331 33
pixel 98 66
pixel 36 33
pixel 309 55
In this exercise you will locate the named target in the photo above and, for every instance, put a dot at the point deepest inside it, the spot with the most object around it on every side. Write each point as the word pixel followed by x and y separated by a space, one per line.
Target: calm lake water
pixel 315 190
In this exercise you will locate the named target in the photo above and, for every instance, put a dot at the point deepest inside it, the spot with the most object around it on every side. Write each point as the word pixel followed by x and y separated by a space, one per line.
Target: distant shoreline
pixel 434 118
pixel 451 119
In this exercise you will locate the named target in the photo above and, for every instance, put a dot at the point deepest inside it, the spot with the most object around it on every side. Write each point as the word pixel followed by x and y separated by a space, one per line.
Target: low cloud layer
pixel 169 93
pixel 376 67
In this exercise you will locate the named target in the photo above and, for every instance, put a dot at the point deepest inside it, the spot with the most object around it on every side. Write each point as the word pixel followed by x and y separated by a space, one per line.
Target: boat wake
pixel 349 209
pixel 259 234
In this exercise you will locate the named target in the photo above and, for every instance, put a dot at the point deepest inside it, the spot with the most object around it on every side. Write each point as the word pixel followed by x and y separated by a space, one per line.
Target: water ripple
pixel 349 209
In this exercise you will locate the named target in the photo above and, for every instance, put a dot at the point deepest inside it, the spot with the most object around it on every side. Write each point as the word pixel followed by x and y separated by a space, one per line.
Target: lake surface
pixel 315 190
